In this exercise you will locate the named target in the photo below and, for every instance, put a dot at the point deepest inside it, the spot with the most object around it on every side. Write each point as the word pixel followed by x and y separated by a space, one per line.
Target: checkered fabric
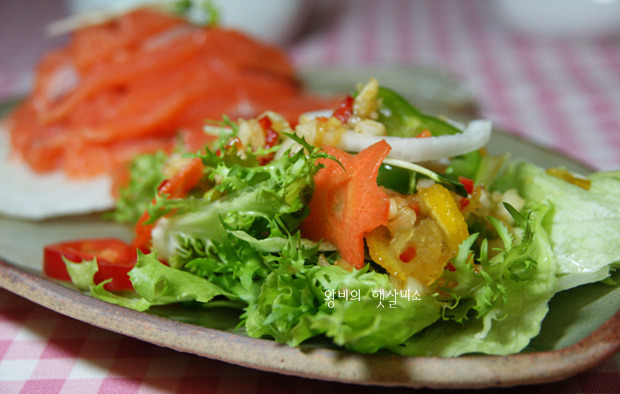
pixel 562 93
pixel 44 352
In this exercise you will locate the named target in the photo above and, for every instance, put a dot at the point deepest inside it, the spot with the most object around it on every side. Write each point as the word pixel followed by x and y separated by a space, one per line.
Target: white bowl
pixel 561 18
pixel 274 21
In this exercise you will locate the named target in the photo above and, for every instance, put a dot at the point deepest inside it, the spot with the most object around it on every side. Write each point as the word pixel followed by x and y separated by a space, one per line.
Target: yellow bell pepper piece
pixel 425 241
pixel 563 174
pixel 441 207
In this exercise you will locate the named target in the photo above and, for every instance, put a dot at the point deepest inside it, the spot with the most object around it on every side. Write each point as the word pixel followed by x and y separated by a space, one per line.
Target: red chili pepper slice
pixel 344 110
pixel 408 254
pixel 271 136
pixel 115 258
pixel 468 183
pixel 426 133
pixel 464 203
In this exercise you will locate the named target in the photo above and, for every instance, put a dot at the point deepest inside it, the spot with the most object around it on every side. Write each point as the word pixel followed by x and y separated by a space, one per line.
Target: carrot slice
pixel 347 203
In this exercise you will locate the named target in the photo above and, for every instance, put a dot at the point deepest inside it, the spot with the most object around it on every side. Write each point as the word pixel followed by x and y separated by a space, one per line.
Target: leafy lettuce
pixel 499 305
pixel 236 244
pixel 583 224
pixel 145 175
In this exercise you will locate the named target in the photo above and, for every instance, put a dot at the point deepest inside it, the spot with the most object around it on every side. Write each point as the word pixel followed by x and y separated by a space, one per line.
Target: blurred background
pixel 547 70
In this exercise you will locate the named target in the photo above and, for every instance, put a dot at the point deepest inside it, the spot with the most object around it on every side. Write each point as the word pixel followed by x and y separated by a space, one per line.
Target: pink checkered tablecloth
pixel 562 93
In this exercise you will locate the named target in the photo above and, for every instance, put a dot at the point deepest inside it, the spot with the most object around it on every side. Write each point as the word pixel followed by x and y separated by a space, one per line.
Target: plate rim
pixel 326 364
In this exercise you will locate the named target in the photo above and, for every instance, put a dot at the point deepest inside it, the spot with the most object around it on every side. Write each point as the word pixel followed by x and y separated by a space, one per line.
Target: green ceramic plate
pixel 580 331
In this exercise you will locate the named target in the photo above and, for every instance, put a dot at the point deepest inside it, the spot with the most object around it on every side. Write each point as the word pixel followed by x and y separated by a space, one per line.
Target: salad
pixel 372 225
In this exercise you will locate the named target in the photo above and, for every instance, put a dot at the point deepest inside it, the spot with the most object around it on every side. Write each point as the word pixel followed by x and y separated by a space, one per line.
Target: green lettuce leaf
pixel 145 176
pixel 82 276
pixel 583 225
pixel 160 284
pixel 282 310
pixel 285 298
pixel 301 300
pixel 498 307
pixel 263 201
pixel 154 282
pixel 362 311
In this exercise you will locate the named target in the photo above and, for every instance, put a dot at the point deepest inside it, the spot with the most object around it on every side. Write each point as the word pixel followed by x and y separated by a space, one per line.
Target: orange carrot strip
pixel 347 203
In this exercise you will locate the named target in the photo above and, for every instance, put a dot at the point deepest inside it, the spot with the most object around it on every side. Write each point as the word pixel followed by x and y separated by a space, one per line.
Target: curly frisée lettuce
pixel 265 201
pixel 471 250
pixel 145 176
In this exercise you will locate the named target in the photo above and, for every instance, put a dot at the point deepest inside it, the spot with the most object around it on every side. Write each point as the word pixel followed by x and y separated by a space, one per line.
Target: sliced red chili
pixel 344 111
pixel 424 134
pixel 271 136
pixel 468 183
pixel 416 208
pixel 464 203
pixel 115 258
pixel 408 254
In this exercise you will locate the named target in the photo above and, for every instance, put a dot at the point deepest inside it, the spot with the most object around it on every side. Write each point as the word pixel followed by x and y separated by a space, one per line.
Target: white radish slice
pixel 29 195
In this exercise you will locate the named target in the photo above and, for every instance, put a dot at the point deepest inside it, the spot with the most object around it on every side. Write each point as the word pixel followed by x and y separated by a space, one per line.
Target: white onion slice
pixel 475 135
